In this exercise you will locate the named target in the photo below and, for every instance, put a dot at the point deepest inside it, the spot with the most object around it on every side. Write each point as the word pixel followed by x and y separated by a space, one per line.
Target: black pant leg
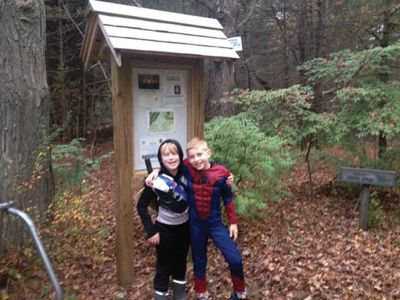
pixel 164 260
pixel 181 249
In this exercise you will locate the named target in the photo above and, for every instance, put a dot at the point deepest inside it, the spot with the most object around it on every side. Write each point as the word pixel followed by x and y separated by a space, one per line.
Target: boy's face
pixel 170 160
pixel 199 158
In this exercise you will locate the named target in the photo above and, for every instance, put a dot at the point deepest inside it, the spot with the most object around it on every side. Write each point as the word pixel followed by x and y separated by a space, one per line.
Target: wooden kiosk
pixel 157 83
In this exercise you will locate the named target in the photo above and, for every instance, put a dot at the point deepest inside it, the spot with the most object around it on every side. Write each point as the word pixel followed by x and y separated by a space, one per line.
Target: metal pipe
pixel 5 205
pixel 39 246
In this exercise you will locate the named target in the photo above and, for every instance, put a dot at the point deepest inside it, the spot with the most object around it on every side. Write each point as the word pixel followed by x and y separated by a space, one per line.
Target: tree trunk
pixel 220 73
pixel 61 73
pixel 318 104
pixel 302 38
pixel 319 30
pixel 25 174
pixel 384 76
pixel 285 47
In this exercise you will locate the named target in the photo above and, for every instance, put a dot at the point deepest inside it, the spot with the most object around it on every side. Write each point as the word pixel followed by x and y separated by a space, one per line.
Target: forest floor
pixel 298 249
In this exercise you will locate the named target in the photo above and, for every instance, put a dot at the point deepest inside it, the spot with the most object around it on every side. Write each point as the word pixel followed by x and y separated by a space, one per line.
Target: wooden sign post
pixel 367 177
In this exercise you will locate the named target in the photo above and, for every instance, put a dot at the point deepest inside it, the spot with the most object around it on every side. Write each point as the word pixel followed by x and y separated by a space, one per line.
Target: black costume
pixel 172 223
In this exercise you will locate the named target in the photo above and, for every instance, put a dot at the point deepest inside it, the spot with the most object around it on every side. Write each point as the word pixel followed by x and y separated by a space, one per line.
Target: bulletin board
pixel 160 111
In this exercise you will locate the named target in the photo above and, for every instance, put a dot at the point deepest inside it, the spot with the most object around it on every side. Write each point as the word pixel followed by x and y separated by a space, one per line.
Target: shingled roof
pixel 122 28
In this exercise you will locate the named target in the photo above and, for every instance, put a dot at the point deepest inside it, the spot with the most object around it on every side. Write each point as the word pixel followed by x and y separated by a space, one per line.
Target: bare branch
pixel 136 3
pixel 104 72
pixel 249 15
pixel 374 35
pixel 70 17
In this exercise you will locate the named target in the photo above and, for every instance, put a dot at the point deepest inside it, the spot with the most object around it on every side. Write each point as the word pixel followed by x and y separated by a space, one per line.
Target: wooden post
pixel 196 109
pixel 122 130
pixel 364 205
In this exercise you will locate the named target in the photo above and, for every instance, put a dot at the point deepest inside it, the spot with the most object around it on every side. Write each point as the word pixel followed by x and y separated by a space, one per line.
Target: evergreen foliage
pixel 285 112
pixel 71 166
pixel 257 160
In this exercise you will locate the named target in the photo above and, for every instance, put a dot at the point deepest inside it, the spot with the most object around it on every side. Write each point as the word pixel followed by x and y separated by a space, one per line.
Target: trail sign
pixel 367 177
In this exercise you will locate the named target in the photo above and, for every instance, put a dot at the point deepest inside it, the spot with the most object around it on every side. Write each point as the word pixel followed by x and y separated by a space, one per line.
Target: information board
pixel 160 111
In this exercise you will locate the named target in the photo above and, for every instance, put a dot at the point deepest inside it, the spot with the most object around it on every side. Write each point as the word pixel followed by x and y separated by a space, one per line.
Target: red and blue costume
pixel 206 189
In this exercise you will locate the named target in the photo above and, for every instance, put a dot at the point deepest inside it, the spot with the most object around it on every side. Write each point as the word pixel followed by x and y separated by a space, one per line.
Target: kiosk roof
pixel 123 28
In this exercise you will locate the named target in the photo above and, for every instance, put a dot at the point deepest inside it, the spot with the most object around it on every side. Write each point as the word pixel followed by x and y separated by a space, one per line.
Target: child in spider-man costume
pixel 208 187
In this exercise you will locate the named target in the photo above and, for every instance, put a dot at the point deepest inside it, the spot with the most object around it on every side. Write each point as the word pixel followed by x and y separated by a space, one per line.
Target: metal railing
pixel 9 208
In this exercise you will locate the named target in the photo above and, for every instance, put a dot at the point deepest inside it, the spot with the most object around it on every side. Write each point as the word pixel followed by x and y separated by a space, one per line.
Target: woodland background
pixel 316 87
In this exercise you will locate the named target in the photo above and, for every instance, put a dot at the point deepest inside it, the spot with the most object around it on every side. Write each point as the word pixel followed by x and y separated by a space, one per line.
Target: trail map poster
pixel 161 121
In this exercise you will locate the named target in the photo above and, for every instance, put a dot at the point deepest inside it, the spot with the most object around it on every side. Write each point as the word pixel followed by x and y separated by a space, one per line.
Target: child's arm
pixel 142 209
pixel 227 197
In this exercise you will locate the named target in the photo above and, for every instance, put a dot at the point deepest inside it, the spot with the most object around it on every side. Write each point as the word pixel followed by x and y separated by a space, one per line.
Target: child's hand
pixel 155 239
pixel 233 231
pixel 151 177
pixel 230 179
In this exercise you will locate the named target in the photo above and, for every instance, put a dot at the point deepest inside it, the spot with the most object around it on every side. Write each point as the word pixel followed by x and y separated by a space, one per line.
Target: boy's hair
pixel 169 147
pixel 195 143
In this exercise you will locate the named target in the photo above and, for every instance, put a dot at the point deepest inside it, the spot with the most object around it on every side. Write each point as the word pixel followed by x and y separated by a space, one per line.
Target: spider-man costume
pixel 207 188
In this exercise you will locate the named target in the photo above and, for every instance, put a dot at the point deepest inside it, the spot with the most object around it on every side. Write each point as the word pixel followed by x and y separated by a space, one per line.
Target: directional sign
pixel 368 176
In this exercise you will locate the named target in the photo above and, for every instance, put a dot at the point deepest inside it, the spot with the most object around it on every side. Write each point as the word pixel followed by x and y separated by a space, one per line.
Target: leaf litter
pixel 297 249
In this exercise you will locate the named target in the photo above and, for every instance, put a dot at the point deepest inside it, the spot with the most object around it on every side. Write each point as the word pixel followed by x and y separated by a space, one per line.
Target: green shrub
pixel 71 166
pixel 283 112
pixel 256 160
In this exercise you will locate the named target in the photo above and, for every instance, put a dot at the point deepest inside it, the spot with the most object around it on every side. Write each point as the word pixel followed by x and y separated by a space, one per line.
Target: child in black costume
pixel 170 233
